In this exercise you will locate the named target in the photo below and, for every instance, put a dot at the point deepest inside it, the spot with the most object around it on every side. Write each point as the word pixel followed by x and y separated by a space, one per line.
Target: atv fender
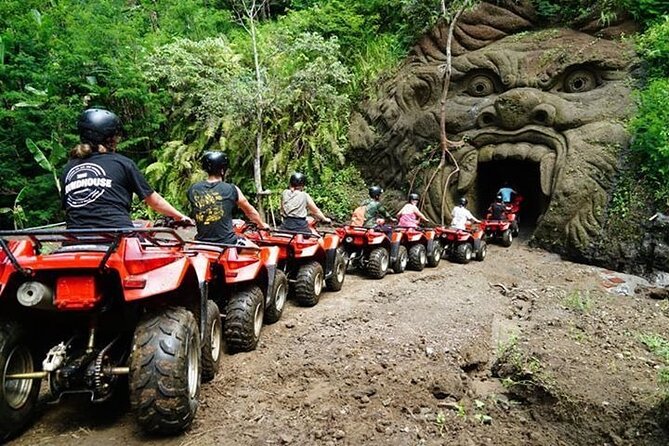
pixel 330 256
pixel 331 241
pixel 157 281
pixel 271 277
pixel 202 267
pixel 270 257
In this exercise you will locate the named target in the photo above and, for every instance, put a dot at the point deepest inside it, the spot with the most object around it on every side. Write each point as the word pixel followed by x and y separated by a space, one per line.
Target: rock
pixel 289 324
pixel 364 399
pixel 429 352
pixel 447 385
pixel 339 434
pixel 285 438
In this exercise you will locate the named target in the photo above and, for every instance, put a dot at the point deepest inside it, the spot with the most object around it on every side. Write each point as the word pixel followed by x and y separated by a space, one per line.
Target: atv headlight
pixel 33 294
pixel 348 239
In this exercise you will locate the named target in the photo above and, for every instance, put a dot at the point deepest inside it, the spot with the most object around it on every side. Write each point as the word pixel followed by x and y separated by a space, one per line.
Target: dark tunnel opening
pixel 523 176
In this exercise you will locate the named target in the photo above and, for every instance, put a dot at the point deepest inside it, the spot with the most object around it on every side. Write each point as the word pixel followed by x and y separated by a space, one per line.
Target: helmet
pixel 214 161
pixel 297 179
pixel 463 201
pixel 375 192
pixel 97 126
pixel 413 197
pixel 499 198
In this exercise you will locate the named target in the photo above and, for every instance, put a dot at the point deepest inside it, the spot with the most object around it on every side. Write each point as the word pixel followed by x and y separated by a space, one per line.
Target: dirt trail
pixel 522 348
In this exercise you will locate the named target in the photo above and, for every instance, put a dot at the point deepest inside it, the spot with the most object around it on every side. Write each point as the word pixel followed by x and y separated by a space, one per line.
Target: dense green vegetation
pixel 181 74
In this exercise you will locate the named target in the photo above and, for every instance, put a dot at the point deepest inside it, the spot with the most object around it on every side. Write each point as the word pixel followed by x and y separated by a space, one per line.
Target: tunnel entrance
pixel 523 176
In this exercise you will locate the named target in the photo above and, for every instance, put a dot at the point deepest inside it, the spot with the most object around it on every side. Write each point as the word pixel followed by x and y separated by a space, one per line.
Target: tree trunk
pixel 257 160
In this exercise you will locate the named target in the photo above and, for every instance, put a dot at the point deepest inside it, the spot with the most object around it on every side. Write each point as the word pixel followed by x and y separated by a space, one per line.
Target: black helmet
pixel 413 197
pixel 214 162
pixel 463 201
pixel 297 179
pixel 97 126
pixel 499 198
pixel 375 192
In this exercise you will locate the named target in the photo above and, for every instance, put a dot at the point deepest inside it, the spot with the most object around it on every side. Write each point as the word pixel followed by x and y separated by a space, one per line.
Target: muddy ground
pixel 521 349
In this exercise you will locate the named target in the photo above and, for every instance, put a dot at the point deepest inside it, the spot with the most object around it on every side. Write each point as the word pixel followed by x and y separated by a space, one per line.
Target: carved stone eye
pixel 481 85
pixel 580 81
pixel 422 93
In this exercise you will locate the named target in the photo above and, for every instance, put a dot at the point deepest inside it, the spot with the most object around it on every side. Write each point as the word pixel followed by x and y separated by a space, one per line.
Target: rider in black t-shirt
pixel 97 183
pixel 498 208
pixel 213 201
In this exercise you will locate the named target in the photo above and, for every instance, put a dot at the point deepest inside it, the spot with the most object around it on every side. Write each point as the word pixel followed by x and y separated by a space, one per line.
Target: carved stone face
pixel 543 110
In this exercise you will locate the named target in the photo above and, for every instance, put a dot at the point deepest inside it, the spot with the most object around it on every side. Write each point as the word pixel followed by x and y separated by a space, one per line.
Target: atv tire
pixel 377 263
pixel 514 228
pixel 309 284
pixel 482 252
pixel 336 279
pixel 434 257
pixel 164 377
pixel 277 300
pixel 400 264
pixel 507 238
pixel 463 253
pixel 212 343
pixel 243 319
pixel 417 257
pixel 19 397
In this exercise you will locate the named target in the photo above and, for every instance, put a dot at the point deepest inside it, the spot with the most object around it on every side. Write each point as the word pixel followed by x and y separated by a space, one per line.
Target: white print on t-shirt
pixel 85 183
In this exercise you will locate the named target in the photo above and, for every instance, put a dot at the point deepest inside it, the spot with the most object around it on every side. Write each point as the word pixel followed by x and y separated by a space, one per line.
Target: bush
pixel 651 137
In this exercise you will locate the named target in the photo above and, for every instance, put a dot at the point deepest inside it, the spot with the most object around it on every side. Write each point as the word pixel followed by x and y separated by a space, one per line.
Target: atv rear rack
pixel 109 237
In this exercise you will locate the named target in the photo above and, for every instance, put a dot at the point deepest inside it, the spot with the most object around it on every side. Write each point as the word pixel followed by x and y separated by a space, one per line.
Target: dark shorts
pixel 295 224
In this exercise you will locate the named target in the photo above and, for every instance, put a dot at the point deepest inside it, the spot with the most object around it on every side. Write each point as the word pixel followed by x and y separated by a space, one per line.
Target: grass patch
pixel 579 301
pixel 659 346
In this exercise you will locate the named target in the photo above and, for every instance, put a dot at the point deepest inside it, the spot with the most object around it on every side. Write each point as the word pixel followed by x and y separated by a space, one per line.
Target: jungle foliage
pixel 180 74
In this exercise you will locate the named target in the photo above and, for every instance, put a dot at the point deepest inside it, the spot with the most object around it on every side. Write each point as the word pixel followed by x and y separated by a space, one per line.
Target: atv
pixel 421 246
pixel 94 307
pixel 506 229
pixel 244 280
pixel 372 250
pixel 463 245
pixel 308 259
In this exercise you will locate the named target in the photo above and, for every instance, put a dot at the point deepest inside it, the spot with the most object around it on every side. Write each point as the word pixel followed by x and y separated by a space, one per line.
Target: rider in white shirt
pixel 461 216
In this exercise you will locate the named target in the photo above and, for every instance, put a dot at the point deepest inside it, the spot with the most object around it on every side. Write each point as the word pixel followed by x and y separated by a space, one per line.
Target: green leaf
pixel 38 155
pixel 6 210
pixel 37 16
pixel 2 51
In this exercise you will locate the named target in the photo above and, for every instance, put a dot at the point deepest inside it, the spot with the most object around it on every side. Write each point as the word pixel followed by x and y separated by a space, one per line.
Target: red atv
pixel 463 245
pixel 94 305
pixel 372 250
pixel 421 246
pixel 309 260
pixel 507 228
pixel 245 281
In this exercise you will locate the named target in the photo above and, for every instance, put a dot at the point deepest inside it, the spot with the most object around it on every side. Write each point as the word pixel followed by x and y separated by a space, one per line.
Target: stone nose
pixel 517 108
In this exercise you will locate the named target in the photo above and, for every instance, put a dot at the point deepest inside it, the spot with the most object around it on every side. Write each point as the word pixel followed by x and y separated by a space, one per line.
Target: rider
pixel 461 215
pixel 98 183
pixel 409 216
pixel 507 192
pixel 498 208
pixel 213 201
pixel 374 209
pixel 296 204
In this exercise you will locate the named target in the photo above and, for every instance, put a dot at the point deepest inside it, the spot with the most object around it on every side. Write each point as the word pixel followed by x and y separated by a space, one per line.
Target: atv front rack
pixel 109 237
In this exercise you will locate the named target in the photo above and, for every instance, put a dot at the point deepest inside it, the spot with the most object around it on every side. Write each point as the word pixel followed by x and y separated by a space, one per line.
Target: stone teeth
pixel 486 154
pixel 547 168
